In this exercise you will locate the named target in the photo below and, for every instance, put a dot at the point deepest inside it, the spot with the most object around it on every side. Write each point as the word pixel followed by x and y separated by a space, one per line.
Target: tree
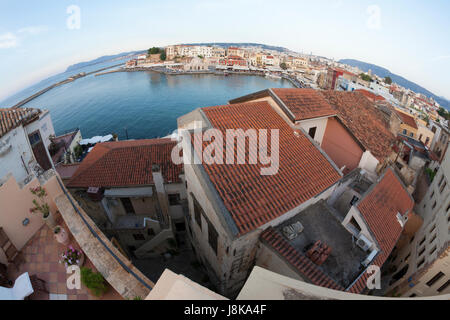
pixel 388 80
pixel 162 56
pixel 365 77
pixel 154 50
pixel 283 66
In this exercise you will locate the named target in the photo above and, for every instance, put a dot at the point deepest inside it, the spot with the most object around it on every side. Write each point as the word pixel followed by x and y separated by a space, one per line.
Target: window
pixel 411 134
pixel 354 199
pixel 355 224
pixel 412 239
pixel 433 250
pixel 422 241
pixel 413 295
pixel 432 239
pixel 435 279
pixel 34 138
pixel 197 213
pixel 407 257
pixel 312 132
pixel 174 199
pixel 440 181
pixel 420 263
pixel 404 131
pixel 443 186
pixel 432 229
pixel 127 205
pixel 432 194
pixel 434 205
pixel 444 286
pixel 138 236
pixel 212 237
pixel 422 251
pixel 150 232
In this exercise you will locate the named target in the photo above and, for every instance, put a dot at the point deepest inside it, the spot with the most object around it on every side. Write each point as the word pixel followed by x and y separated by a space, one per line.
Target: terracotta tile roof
pixel 370 95
pixel 363 120
pixel 253 199
pixel 12 118
pixel 304 265
pixel 63 143
pixel 304 103
pixel 407 119
pixel 126 163
pixel 379 209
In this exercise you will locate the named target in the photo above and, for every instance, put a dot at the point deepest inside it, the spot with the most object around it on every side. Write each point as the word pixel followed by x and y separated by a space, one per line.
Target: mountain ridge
pixel 383 72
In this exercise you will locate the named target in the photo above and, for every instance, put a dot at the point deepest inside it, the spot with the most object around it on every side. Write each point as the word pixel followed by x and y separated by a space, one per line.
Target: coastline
pixel 294 82
pixel 99 72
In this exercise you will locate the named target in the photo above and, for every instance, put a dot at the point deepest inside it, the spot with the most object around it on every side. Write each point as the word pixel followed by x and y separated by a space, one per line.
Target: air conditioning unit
pixel 363 243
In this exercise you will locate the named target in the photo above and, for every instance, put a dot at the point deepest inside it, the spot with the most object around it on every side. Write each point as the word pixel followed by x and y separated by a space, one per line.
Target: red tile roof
pixel 363 120
pixel 379 209
pixel 370 95
pixel 304 103
pixel 407 119
pixel 12 118
pixel 304 265
pixel 253 199
pixel 126 163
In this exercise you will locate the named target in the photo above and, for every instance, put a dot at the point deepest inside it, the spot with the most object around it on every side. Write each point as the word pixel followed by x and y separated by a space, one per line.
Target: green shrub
pixel 94 281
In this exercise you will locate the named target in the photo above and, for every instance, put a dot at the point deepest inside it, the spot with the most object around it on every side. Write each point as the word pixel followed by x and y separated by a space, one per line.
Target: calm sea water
pixel 147 104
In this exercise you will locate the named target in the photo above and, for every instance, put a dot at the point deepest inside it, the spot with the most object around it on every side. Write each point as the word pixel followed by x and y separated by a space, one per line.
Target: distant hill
pixel 382 72
pixel 102 59
pixel 239 44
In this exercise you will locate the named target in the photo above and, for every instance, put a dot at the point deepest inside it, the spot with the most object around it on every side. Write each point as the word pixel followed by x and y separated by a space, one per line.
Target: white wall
pixel 11 162
pixel 320 124
pixel 368 162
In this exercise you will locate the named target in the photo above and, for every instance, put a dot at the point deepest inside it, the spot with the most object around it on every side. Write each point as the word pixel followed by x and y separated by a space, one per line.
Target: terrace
pixel 320 222
pixel 40 253
pixel 41 256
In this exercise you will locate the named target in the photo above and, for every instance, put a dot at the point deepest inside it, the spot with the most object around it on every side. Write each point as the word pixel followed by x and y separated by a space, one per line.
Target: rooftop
pixel 251 198
pixel 304 103
pixel 62 143
pixel 363 120
pixel 320 222
pixel 407 119
pixel 372 96
pixel 379 208
pixel 126 163
pixel 11 118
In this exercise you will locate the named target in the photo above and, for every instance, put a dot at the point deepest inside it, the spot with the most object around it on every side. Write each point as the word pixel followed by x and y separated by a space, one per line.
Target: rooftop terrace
pixel 320 222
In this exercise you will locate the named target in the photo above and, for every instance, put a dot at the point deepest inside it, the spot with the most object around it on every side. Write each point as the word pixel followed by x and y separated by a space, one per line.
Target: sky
pixel 42 38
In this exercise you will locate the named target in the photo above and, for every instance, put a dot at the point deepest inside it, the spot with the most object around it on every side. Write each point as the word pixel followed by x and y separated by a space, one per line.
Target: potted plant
pixel 94 281
pixel 61 235
pixel 42 206
pixel 72 257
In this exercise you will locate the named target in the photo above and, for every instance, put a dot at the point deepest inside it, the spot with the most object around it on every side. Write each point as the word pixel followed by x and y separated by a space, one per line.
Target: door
pixel 127 205
pixel 39 151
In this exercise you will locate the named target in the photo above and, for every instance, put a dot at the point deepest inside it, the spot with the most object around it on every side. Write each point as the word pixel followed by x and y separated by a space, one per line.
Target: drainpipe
pixel 158 180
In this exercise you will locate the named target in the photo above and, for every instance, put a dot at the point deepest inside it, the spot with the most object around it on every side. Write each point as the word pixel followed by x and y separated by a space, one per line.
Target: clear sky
pixel 410 38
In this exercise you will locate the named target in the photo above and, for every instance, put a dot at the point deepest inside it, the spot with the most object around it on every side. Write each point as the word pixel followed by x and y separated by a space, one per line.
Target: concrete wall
pixel 340 146
pixel 269 260
pixel 15 203
pixel 368 162
pixel 320 124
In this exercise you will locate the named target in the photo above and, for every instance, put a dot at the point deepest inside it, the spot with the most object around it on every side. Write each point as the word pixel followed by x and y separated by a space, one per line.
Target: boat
pixel 273 76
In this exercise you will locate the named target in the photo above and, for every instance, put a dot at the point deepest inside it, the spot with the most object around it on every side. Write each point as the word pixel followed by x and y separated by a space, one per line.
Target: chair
pixel 22 288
